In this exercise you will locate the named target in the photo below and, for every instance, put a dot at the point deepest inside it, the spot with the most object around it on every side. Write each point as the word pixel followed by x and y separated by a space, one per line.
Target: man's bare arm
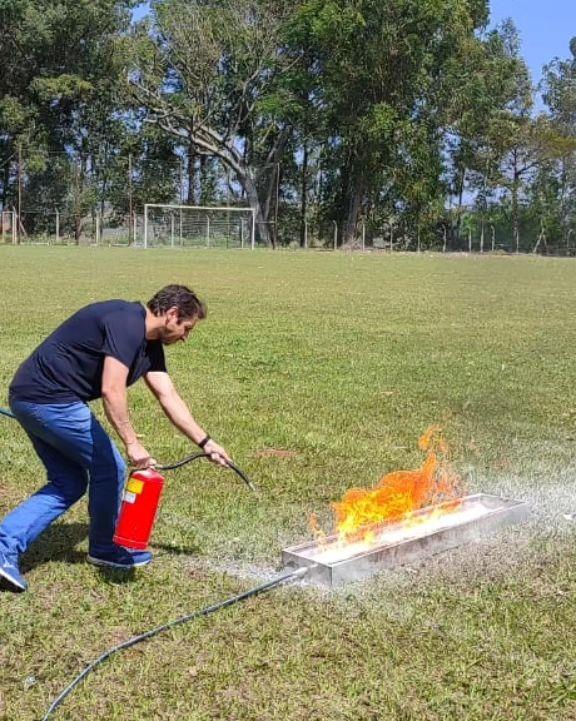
pixel 115 401
pixel 177 411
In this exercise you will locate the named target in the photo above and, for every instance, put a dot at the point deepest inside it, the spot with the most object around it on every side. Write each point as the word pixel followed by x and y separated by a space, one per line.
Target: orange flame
pixel 398 494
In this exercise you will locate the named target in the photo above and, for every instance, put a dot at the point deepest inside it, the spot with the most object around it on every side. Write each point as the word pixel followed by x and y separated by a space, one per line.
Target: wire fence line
pixel 58 198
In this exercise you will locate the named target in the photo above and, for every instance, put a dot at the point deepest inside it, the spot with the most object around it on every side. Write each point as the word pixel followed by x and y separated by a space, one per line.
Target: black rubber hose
pixel 183 619
pixel 189 459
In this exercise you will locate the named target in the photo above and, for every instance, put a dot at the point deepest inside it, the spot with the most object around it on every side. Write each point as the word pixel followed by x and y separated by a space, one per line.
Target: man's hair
pixel 180 297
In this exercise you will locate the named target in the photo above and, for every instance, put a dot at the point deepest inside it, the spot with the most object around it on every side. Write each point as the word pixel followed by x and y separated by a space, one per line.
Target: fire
pixel 398 494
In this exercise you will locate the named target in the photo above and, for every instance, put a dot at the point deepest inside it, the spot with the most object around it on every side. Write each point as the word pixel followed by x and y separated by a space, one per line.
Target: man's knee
pixel 70 489
pixel 73 495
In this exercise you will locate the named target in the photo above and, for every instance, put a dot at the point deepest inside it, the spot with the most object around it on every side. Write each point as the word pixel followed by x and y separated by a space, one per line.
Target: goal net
pixel 188 226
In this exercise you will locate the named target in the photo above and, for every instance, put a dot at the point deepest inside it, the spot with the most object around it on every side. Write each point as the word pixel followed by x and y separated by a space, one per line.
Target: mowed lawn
pixel 339 361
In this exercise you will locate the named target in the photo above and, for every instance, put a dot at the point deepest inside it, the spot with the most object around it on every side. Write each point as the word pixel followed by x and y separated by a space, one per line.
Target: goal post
pixel 196 226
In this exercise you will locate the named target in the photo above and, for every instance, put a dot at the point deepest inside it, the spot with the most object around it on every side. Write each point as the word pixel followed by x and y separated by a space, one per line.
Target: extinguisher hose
pixel 207 611
pixel 195 456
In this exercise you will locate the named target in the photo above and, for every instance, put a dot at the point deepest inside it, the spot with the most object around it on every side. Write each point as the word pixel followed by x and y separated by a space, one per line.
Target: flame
pixel 398 494
pixel 317 532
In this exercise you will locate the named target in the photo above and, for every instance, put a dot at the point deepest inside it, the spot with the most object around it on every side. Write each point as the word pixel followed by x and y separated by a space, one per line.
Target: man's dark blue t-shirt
pixel 67 366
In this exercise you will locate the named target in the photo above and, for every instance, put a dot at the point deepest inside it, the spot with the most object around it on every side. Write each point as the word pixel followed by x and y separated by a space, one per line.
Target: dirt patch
pixel 276 453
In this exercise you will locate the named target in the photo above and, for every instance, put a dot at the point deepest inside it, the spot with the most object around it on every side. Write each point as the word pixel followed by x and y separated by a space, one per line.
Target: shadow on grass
pixel 116 576
pixel 176 550
pixel 57 544
pixel 59 541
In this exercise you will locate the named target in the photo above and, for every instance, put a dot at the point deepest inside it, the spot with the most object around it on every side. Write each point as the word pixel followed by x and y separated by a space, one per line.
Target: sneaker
pixel 120 558
pixel 10 573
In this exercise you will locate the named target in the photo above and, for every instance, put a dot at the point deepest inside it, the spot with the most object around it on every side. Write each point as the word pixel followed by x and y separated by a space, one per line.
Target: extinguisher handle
pixel 195 456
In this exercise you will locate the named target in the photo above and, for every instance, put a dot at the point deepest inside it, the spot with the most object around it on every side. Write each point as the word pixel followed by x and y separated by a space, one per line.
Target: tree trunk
pixel 191 175
pixel 515 212
pixel 515 218
pixel 461 184
pixel 78 220
pixel 356 193
pixel 541 239
pixel 304 196
pixel 271 192
pixel 5 182
pixel 249 186
pixel 202 198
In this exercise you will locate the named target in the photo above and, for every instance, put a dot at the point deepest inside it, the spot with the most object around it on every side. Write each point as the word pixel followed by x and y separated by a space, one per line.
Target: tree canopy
pixel 410 122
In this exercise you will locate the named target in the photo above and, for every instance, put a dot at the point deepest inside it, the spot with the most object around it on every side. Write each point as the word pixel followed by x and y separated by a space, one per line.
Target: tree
pixel 59 75
pixel 206 73
pixel 559 94
pixel 489 82
pixel 377 71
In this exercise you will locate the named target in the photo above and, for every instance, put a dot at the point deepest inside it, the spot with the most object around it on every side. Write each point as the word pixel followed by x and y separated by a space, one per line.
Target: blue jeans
pixel 75 450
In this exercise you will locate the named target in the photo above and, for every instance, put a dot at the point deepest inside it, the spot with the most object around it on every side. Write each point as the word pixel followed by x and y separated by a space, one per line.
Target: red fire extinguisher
pixel 141 500
pixel 139 508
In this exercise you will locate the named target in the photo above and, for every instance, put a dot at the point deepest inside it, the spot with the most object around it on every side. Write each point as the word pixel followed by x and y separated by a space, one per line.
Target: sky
pixel 545 27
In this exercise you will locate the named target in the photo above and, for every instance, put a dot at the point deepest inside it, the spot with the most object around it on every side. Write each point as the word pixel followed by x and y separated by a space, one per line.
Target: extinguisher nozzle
pixel 243 476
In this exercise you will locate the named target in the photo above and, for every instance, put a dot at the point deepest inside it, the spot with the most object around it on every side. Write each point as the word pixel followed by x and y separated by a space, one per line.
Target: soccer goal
pixel 191 226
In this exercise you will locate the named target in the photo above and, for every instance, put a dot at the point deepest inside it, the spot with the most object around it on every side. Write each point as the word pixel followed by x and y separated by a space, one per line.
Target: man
pixel 96 353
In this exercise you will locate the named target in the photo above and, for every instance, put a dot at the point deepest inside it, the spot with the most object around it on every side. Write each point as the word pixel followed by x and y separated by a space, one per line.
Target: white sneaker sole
pixel 7 577
pixel 111 564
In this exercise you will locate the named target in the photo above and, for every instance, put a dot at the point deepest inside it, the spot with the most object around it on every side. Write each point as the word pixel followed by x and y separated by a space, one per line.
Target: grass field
pixel 341 362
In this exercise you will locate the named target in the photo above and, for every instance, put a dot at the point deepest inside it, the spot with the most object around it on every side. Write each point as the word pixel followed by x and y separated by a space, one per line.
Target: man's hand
pixel 139 456
pixel 217 454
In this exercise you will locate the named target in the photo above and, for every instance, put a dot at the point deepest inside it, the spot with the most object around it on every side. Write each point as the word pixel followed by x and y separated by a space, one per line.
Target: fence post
pixel 335 235
pixel 493 229
pixel 469 240
pixel 306 233
pixel 445 239
pixel 207 231
pixel 15 229
pixel 363 235
pixel 145 225
pixel 97 229
pixel 57 226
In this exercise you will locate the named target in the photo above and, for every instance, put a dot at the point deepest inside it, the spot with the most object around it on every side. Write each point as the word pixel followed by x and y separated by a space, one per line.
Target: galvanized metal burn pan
pixel 427 532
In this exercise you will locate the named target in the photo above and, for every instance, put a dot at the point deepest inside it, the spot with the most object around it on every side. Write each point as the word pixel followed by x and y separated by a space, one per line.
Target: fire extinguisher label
pixel 129 497
pixel 135 486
